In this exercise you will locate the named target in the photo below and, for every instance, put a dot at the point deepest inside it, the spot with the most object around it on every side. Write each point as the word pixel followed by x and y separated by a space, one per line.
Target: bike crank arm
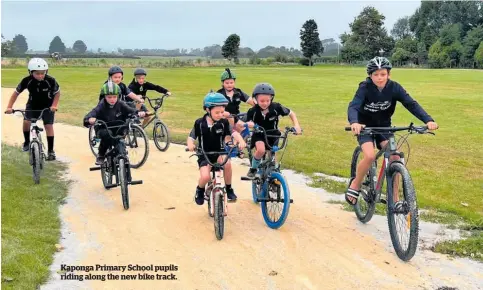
pixel 136 182
pixel 95 168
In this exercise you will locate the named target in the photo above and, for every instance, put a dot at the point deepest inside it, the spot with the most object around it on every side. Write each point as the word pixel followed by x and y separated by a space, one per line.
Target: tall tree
pixel 56 45
pixel 479 55
pixel 230 48
pixel 6 46
pixel 310 41
pixel 79 46
pixel 401 28
pixel 19 43
pixel 368 36
pixel 470 43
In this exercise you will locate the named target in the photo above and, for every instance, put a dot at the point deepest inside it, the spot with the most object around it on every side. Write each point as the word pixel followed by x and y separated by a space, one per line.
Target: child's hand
pixel 9 111
pixel 53 109
pixel 241 145
pixel 356 128
pixel 191 147
pixel 140 100
pixel 298 130
pixel 92 121
pixel 141 114
pixel 432 125
pixel 250 124
pixel 226 114
pixel 168 93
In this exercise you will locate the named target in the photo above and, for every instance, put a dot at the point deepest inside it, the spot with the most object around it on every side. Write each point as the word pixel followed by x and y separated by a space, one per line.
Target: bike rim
pixel 136 146
pixel 402 221
pixel 161 135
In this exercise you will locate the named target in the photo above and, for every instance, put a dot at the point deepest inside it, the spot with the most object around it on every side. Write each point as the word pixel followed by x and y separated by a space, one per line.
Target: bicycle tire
pixel 163 128
pixel 219 217
pixel 123 182
pixel 35 155
pixel 364 215
pixel 106 174
pixel 93 144
pixel 256 190
pixel 275 224
pixel 136 130
pixel 410 198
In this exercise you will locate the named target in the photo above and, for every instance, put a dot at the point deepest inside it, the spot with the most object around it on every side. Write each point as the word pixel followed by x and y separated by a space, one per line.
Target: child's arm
pixel 247 99
pixel 159 89
pixel 91 117
pixel 133 96
pixel 413 106
pixel 55 102
pixel 284 111
pixel 127 110
pixel 354 107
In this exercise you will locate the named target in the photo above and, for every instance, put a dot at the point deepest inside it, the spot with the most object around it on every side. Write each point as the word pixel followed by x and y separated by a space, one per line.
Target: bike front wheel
pixel 402 211
pixel 161 136
pixel 219 213
pixel 123 181
pixel 93 141
pixel 275 201
pixel 35 157
pixel 137 146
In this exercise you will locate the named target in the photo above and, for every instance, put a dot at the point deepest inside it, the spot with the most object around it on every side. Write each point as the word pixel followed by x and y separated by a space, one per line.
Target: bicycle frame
pixel 35 131
pixel 159 104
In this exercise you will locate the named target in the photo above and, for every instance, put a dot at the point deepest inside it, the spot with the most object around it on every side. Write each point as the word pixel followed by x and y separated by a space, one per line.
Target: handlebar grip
pixel 348 128
pixel 186 149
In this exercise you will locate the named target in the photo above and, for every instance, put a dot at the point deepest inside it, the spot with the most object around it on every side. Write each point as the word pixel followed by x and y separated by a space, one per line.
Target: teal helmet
pixel 213 99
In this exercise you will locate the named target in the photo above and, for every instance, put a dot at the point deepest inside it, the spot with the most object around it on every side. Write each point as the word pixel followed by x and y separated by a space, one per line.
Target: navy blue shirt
pixel 375 108
pixel 269 121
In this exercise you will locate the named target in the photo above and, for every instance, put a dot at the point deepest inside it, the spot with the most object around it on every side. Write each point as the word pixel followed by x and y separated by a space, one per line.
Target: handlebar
pixel 284 135
pixel 201 152
pixel 31 119
pixel 158 101
pixel 126 124
pixel 381 130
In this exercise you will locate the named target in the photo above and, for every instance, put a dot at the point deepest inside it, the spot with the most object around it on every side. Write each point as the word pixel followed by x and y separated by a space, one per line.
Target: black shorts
pixel 272 141
pixel 378 138
pixel 47 116
pixel 203 162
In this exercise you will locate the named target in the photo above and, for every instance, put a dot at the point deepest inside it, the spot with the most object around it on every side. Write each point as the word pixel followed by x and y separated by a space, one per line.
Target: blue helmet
pixel 214 99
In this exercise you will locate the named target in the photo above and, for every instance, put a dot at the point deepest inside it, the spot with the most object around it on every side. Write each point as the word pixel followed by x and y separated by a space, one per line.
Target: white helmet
pixel 37 64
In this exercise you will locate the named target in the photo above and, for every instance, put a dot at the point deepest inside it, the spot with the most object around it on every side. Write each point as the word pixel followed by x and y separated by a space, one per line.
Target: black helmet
pixel 376 63
pixel 140 71
pixel 263 88
pixel 115 69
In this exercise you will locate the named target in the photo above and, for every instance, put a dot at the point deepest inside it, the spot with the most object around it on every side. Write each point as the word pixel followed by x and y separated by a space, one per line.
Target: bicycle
pixel 215 192
pixel 267 186
pixel 135 132
pixel 117 163
pixel 159 125
pixel 246 135
pixel 36 151
pixel 391 170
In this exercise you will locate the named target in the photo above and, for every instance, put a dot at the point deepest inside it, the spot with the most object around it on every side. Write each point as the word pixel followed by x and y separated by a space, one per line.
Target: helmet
pixel 214 99
pixel 376 63
pixel 227 75
pixel 263 88
pixel 110 88
pixel 140 71
pixel 115 69
pixel 37 64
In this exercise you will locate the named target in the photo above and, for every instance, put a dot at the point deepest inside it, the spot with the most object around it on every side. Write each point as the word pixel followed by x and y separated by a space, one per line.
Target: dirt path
pixel 319 247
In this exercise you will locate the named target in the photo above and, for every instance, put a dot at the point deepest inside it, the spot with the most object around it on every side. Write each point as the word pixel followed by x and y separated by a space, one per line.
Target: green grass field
pixel 446 168
pixel 30 219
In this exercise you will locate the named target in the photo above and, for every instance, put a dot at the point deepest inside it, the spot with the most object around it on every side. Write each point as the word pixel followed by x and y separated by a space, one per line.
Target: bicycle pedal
pixel 245 178
pixel 383 201
pixel 231 200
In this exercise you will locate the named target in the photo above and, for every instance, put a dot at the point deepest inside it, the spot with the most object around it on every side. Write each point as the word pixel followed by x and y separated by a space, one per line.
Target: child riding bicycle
pixel 140 86
pixel 373 106
pixel 44 92
pixel 116 75
pixel 266 114
pixel 212 131
pixel 109 110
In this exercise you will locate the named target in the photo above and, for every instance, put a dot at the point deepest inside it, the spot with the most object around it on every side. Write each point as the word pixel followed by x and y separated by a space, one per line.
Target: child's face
pixel 111 99
pixel 116 78
pixel 140 79
pixel 217 113
pixel 264 100
pixel 229 84
pixel 380 77
pixel 39 74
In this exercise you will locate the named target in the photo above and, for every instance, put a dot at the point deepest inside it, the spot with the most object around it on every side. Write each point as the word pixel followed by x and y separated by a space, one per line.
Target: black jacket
pixel 105 112
pixel 147 86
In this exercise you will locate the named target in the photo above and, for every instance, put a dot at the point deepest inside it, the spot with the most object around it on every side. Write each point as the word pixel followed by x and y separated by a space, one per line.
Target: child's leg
pixel 227 174
pixel 257 158
pixel 26 133
pixel 361 171
pixel 204 176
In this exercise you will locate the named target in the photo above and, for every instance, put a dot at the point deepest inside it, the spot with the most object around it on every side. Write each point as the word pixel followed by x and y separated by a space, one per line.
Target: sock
pixel 255 162
pixel 199 189
pixel 50 143
pixel 26 135
pixel 228 186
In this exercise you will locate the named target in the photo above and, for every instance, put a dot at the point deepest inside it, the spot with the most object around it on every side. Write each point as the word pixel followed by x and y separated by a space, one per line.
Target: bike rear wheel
pixel 366 203
pixel 35 155
pixel 161 136
pixel 402 211
pixel 93 141
pixel 219 216
pixel 123 181
pixel 137 146
pixel 276 212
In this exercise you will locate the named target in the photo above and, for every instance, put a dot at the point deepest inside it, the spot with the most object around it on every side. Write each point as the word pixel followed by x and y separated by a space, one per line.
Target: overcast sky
pixel 182 24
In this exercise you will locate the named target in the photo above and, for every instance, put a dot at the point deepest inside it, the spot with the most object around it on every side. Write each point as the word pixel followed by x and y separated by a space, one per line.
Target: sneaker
pixel 99 160
pixel 26 147
pixel 231 194
pixel 50 156
pixel 252 173
pixel 200 196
